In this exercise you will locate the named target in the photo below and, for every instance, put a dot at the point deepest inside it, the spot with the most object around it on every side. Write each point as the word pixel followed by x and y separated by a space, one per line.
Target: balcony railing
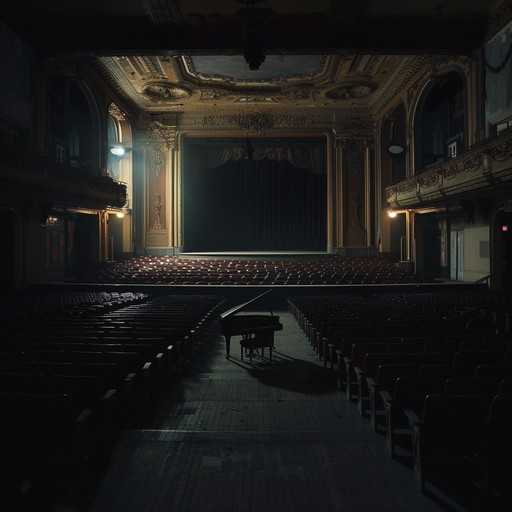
pixel 28 173
pixel 485 166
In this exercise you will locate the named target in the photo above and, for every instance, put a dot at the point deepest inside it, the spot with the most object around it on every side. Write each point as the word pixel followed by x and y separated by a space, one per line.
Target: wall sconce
pixel 396 149
pixel 119 150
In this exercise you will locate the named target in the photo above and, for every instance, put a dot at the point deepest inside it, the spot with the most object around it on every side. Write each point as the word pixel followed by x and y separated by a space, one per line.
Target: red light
pixel 504 228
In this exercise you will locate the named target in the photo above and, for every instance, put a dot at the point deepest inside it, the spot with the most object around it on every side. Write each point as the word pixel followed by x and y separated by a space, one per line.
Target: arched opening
pixel 119 168
pixel 72 133
pixel 441 122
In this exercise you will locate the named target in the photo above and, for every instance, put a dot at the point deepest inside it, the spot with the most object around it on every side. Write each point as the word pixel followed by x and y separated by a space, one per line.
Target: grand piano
pixel 249 326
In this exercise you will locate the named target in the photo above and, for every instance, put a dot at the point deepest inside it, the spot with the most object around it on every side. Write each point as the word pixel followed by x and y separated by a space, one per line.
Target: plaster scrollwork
pixel 502 152
pixel 406 187
pixel 160 136
pixel 256 122
pixel 428 181
pixel 467 165
pixel 159 132
pixel 297 94
pixel 116 112
pixel 351 91
pixel 163 92
pixel 156 160
pixel 213 95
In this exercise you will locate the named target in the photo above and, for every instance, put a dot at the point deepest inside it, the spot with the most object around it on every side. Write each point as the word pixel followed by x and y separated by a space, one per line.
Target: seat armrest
pixel 371 382
pixel 358 371
pixel 386 396
pixel 414 419
pixel 83 418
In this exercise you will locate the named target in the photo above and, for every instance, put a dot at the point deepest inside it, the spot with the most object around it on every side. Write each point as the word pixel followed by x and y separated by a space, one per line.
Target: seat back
pixel 359 351
pixel 422 358
pixel 499 445
pixel 499 371
pixel 445 371
pixel 477 357
pixel 471 386
pixel 387 374
pixel 373 360
pixel 410 392
pixel 453 425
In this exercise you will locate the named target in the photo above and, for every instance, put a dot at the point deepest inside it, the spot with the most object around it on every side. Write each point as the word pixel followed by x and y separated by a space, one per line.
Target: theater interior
pixel 234 233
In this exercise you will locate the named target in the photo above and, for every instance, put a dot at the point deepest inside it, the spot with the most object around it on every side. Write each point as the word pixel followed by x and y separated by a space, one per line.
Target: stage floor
pixel 256 254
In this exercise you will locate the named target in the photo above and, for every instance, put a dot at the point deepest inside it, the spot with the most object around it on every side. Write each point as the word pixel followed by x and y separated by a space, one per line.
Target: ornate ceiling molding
pixel 404 74
pixel 352 90
pixel 163 92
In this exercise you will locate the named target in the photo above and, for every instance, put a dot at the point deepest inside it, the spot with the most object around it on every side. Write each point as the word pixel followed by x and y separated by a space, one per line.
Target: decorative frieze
pixel 254 122
pixel 502 152
pixel 351 90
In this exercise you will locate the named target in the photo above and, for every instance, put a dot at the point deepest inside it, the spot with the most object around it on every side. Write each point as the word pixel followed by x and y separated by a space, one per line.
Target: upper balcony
pixel 481 169
pixel 25 173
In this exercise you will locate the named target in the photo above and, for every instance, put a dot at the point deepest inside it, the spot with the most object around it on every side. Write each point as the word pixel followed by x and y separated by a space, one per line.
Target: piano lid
pixel 239 307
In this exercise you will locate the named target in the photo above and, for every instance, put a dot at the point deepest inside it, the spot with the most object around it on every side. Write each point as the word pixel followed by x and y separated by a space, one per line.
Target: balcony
pixel 25 173
pixel 482 169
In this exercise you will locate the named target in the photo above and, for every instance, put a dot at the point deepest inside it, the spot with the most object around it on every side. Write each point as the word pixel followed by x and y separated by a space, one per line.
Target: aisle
pixel 272 436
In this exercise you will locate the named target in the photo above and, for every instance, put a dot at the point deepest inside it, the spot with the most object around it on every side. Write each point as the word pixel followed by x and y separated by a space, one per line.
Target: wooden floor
pixel 268 436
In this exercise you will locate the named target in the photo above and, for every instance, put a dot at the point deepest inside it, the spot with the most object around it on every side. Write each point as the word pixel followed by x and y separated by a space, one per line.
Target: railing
pixel 28 172
pixel 485 165
pixel 484 279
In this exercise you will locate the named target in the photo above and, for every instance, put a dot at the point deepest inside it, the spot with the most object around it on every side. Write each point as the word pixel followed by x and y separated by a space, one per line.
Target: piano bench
pixel 251 342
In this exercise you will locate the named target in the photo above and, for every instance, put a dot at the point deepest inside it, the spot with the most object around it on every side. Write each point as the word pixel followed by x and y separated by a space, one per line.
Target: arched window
pixel 71 130
pixel 119 133
pixel 440 134
pixel 114 140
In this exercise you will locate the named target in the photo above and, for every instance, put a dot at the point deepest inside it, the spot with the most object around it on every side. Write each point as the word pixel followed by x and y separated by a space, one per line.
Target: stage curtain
pixel 265 204
pixel 301 157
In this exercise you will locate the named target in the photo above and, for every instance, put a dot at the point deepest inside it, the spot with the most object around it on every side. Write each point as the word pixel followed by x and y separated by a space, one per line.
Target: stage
pixel 260 255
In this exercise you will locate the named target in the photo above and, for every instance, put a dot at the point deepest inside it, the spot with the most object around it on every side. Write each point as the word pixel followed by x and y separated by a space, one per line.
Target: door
pixel 457 255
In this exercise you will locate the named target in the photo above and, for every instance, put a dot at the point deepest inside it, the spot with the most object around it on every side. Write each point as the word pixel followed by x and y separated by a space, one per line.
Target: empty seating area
pixel 431 372
pixel 75 368
pixel 324 270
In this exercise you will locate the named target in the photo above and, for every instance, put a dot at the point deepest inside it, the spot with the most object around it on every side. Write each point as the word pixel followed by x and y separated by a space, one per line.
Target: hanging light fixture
pixel 252 36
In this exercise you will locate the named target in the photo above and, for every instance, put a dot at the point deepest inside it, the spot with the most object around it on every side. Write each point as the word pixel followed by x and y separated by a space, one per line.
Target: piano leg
pixel 228 345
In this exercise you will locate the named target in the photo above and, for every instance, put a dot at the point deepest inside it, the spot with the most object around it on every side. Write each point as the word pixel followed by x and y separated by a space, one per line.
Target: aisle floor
pixel 268 436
